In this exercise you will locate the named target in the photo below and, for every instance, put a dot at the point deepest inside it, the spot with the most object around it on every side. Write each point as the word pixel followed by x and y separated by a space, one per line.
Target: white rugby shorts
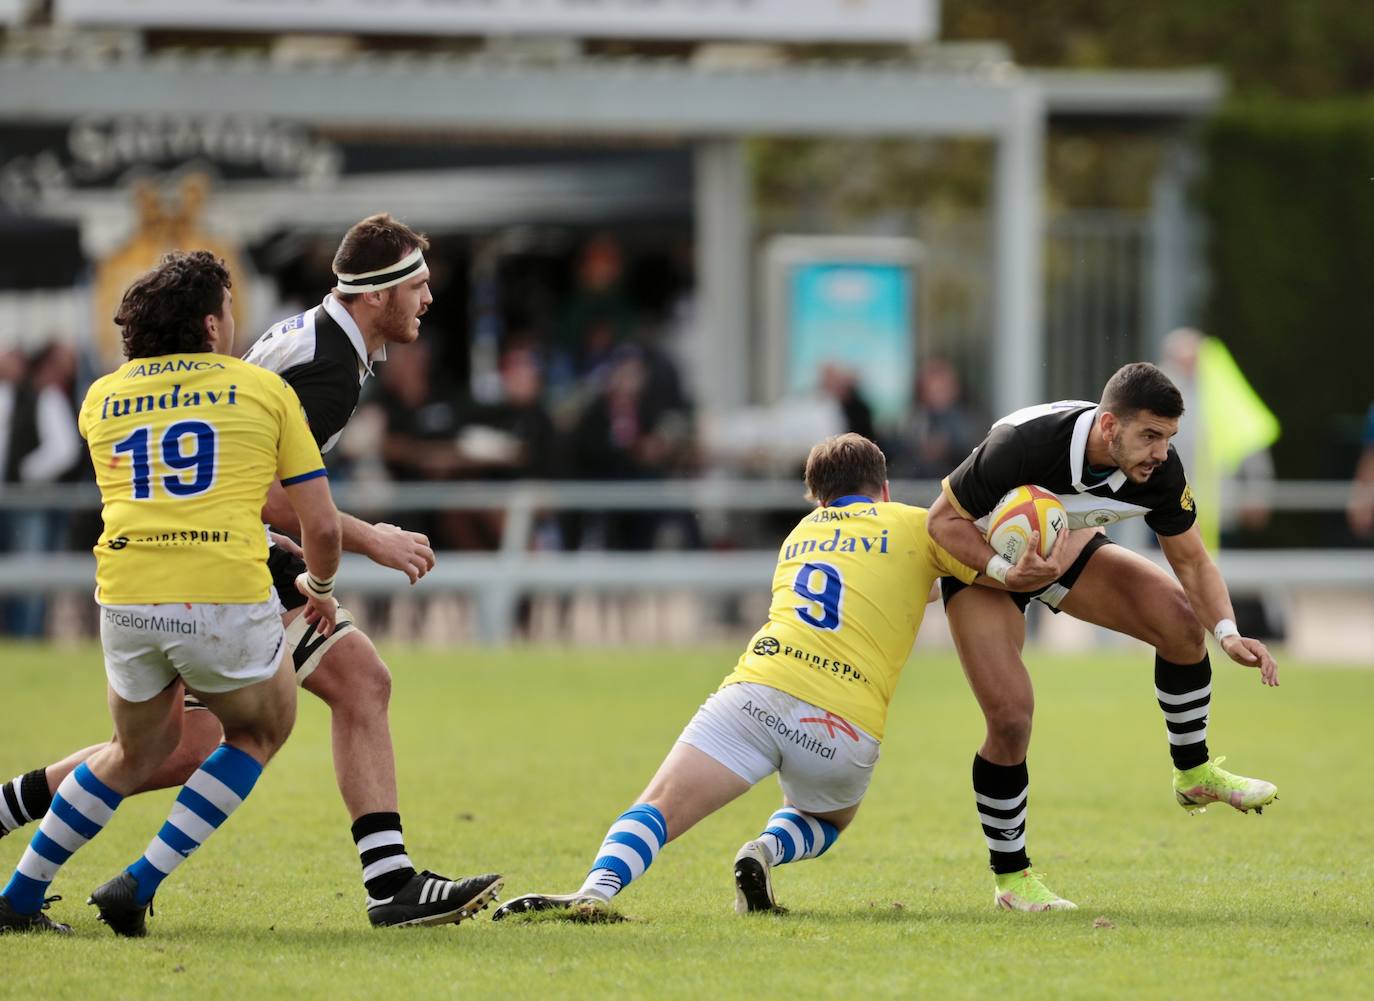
pixel 823 762
pixel 213 648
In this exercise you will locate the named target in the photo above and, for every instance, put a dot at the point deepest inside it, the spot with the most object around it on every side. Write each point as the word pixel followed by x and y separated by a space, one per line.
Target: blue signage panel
pixel 858 316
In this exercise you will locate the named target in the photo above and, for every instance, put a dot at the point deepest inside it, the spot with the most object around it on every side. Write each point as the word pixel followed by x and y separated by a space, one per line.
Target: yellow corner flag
pixel 1238 422
pixel 1236 425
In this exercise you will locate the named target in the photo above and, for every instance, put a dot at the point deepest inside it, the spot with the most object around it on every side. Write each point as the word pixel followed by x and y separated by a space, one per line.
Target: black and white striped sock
pixel 1001 793
pixel 24 799
pixel 1184 692
pixel 382 851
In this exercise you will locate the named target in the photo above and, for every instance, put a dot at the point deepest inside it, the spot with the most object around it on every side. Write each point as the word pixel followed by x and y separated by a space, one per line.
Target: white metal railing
pixel 706 493
pixel 496 581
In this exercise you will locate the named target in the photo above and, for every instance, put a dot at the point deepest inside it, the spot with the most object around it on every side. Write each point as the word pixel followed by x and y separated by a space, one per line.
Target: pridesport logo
pixel 767 646
pixel 795 734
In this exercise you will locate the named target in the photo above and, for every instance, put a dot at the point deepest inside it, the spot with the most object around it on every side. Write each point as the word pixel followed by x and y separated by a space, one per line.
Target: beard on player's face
pixel 1138 463
pixel 397 320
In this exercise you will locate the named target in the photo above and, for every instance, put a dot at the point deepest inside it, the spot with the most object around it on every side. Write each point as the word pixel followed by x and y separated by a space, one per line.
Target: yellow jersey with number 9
pixel 184 448
pixel 849 595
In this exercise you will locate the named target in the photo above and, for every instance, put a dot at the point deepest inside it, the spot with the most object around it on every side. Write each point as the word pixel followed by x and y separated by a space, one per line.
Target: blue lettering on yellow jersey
pixel 849 594
pixel 184 449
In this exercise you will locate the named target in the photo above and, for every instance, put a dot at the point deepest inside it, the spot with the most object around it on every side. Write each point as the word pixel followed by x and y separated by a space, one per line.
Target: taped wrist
pixel 998 567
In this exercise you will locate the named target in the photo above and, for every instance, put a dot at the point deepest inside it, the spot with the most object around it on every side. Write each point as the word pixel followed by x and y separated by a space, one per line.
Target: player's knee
pixel 1180 638
pixel 1009 725
pixel 353 679
pixel 263 736
pixel 369 686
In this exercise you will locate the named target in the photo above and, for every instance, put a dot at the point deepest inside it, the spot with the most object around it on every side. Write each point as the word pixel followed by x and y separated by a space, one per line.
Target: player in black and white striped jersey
pixel 326 354
pixel 1106 462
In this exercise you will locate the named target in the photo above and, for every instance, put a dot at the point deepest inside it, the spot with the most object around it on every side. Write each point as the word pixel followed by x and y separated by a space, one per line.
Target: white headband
pixel 392 274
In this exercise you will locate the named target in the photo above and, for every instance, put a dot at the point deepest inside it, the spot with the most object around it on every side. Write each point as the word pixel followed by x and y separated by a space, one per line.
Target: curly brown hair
pixel 845 464
pixel 163 312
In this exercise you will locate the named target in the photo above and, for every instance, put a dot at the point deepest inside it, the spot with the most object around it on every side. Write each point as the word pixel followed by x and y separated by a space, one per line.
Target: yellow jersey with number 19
pixel 184 448
pixel 849 595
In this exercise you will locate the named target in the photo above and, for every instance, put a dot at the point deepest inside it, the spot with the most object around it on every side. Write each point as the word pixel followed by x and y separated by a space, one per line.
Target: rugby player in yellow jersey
pixel 185 442
pixel 808 699
pixel 326 354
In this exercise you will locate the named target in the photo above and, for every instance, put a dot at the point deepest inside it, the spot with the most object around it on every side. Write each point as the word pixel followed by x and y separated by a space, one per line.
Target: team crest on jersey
pixel 1100 517
pixel 766 647
pixel 1186 501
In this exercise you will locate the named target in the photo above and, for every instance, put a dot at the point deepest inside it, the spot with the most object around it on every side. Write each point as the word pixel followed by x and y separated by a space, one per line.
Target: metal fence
pixel 496 582
pixel 1104 279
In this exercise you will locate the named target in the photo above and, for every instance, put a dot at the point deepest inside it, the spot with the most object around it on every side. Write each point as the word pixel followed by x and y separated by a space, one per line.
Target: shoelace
pixel 49 901
pixel 1223 777
pixel 1038 876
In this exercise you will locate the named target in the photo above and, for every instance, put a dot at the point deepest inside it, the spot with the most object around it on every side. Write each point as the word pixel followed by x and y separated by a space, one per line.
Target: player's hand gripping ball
pixel 1020 512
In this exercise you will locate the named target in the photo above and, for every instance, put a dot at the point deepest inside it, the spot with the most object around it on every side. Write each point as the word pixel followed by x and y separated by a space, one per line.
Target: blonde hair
pixel 842 465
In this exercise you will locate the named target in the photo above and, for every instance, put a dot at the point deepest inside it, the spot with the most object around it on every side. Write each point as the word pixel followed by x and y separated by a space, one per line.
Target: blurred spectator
pixel 1360 508
pixel 842 386
pixel 636 428
pixel 513 439
pixel 421 424
pixel 775 440
pixel 597 318
pixel 12 369
pixel 42 447
pixel 420 440
pixel 941 432
pixel 515 436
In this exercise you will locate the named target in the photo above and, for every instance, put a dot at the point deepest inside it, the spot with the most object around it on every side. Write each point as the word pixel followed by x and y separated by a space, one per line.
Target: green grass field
pixel 519 760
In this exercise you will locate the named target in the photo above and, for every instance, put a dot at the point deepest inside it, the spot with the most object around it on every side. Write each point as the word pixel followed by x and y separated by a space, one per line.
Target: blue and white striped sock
pixel 631 845
pixel 792 836
pixel 80 809
pixel 214 791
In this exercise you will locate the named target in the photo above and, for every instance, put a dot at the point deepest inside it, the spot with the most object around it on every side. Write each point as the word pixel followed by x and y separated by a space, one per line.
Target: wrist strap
pixel 998 567
pixel 319 588
pixel 1224 630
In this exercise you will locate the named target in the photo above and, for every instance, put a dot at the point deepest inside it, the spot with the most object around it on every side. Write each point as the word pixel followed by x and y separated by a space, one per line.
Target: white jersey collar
pixel 1078 455
pixel 344 319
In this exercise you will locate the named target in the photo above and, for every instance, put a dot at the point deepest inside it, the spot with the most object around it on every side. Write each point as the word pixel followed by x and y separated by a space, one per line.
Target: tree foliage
pixel 1268 48
pixel 1289 197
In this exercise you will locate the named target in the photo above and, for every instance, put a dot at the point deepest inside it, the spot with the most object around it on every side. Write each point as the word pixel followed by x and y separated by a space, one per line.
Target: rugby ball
pixel 1020 512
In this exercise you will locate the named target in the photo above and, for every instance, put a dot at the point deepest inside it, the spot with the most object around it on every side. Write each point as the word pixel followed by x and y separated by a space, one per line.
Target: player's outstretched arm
pixel 385 545
pixel 321 538
pixel 1207 593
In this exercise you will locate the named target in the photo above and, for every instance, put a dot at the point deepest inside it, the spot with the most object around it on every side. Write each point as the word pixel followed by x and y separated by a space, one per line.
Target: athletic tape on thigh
pixel 308 647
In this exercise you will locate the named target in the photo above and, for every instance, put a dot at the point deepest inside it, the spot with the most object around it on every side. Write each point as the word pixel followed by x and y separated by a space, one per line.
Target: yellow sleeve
pixel 941 559
pixel 85 409
pixel 298 457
